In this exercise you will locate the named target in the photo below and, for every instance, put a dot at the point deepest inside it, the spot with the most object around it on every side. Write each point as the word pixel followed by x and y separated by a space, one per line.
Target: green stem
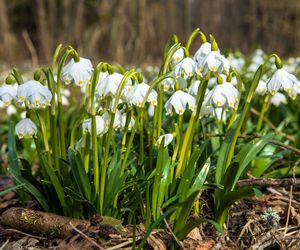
pixel 262 113
pixel 141 159
pixel 152 86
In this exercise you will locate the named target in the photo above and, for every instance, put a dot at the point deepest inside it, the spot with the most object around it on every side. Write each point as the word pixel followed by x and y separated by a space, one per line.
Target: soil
pixel 246 227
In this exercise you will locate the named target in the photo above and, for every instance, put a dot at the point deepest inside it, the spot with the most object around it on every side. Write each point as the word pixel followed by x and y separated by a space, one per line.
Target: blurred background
pixel 135 31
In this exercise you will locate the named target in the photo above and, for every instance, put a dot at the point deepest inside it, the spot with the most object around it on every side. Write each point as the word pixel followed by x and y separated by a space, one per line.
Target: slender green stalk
pixel 152 86
pixel 125 78
pixel 141 159
pixel 159 109
pixel 192 37
pixel 262 113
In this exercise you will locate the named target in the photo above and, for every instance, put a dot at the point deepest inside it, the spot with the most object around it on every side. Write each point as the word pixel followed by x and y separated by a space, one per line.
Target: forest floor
pixel 246 227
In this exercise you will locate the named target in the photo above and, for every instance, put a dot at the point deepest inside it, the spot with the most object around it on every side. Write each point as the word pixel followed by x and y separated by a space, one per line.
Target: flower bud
pixel 37 74
pixel 10 79
pixel 214 45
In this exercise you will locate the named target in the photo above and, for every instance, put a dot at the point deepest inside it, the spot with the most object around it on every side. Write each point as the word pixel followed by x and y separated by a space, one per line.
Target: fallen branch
pixel 269 182
pixel 41 222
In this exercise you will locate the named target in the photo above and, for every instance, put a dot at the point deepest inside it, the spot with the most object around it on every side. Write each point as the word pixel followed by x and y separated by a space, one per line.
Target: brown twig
pixel 250 137
pixel 86 237
pixel 123 244
pixel 287 136
pixel 4 245
pixel 269 182
pixel 171 232
pixel 25 234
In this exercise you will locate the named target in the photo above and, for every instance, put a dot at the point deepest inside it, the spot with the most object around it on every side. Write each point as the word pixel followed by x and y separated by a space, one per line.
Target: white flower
pixel 277 99
pixel 295 90
pixel 7 94
pixel 214 62
pixel 25 128
pixel 202 52
pixel 169 83
pixel 179 101
pixel 193 89
pixel 261 87
pixel 34 94
pixel 109 85
pixel 168 138
pixel 223 95
pixel 79 72
pixel 186 68
pixel 151 109
pixel 281 79
pixel 138 93
pixel 178 56
pixel 101 127
pixel 11 110
pixel 120 121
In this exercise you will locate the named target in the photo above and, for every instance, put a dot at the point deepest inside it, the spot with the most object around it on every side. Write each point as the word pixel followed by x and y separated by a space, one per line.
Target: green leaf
pixel 249 153
pixel 79 174
pixel 14 169
pixel 56 184
pixel 7 190
pixel 154 225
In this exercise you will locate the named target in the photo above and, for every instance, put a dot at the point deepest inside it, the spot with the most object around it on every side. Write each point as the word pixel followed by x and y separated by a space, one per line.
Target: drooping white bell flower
pixel 120 121
pixel 150 110
pixel 186 68
pixel 80 72
pixel 223 95
pixel 202 52
pixel 295 90
pixel 34 94
pixel 168 138
pixel 178 56
pixel 277 99
pixel 109 85
pixel 7 94
pixel 193 89
pixel 214 62
pixel 101 127
pixel 25 128
pixel 281 79
pixel 169 83
pixel 261 87
pixel 138 93
pixel 179 101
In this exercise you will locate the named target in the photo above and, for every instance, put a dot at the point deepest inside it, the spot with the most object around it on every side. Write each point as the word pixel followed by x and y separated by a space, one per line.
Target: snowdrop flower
pixel 25 128
pixel 138 93
pixel 34 94
pixel 281 79
pixel 186 68
pixel 11 110
pixel 261 87
pixel 295 90
pixel 223 95
pixel 236 62
pixel 109 85
pixel 169 83
pixel 7 94
pixel 202 52
pixel 214 62
pixel 277 99
pixel 179 101
pixel 120 121
pixel 79 72
pixel 178 56
pixel 168 138
pixel 193 89
pixel 101 127
pixel 151 109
